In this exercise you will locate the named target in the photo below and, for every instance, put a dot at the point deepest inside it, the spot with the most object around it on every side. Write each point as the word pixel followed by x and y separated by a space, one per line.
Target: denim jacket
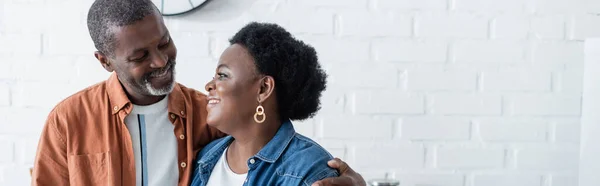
pixel 288 159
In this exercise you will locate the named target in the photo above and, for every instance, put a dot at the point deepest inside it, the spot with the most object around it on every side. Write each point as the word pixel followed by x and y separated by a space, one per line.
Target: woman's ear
pixel 267 86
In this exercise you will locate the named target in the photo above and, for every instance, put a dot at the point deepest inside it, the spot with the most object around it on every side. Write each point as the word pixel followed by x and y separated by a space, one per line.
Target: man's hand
pixel 347 176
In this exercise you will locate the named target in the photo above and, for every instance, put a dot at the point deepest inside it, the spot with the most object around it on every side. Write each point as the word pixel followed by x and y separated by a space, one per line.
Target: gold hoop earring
pixel 260 111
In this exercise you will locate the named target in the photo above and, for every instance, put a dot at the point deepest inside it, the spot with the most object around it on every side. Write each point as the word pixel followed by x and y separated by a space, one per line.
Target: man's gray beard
pixel 161 91
pixel 146 88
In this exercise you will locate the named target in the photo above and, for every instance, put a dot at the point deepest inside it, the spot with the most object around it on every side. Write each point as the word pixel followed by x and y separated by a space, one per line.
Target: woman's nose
pixel 210 85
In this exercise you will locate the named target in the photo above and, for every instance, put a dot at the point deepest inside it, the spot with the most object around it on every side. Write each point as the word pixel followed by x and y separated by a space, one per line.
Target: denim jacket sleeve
pixel 324 173
pixel 311 158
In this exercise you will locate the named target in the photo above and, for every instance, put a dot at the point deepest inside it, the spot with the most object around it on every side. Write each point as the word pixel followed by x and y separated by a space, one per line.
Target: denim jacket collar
pixel 273 150
pixel 269 153
pixel 215 153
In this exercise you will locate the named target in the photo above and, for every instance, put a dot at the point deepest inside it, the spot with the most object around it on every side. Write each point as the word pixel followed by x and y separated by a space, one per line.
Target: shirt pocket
pixel 89 169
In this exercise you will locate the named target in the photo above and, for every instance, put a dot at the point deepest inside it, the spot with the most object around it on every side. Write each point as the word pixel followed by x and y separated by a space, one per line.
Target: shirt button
pixel 252 161
pixel 183 164
pixel 182 113
pixel 172 116
pixel 181 136
pixel 116 108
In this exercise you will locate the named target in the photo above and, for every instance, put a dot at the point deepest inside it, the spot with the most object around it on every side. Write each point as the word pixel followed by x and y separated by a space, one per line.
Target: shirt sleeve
pixel 50 164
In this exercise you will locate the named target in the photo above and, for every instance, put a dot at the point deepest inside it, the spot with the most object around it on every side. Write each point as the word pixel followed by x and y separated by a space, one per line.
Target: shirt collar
pixel 273 150
pixel 177 101
pixel 215 152
pixel 118 98
pixel 116 94
pixel 269 153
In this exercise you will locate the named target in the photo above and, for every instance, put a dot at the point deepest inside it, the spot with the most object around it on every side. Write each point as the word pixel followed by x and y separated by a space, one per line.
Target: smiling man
pixel 140 127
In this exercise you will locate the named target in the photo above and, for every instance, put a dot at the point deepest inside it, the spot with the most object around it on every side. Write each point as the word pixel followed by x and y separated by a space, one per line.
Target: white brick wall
pixel 510 26
pixel 431 80
pixel 546 105
pixel 435 128
pixel 353 128
pixel 431 92
pixel 489 51
pixel 493 5
pixel 397 156
pixel 470 158
pixel 340 50
pixel 564 180
pixel 505 180
pixel 361 75
pixel 467 104
pixel 4 95
pixel 353 23
pixel 517 80
pixel 544 159
pixel 411 4
pixel 548 27
pixel 387 102
pixel 396 50
pixel 8 155
pixel 584 26
pixel 454 25
pixel 567 132
pixel 558 52
pixel 507 131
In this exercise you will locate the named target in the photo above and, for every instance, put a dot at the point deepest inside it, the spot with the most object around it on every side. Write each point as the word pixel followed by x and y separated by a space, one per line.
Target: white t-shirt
pixel 154 145
pixel 223 175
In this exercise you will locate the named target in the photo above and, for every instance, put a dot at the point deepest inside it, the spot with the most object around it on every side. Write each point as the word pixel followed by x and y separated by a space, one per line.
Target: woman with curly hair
pixel 264 80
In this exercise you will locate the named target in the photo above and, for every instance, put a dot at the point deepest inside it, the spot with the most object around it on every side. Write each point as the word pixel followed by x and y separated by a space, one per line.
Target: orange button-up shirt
pixel 85 140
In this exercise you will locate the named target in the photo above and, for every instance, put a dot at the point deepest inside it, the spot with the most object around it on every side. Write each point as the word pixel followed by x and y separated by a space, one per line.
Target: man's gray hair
pixel 105 15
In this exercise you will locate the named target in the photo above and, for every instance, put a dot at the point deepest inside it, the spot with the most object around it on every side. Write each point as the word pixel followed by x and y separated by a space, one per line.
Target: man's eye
pixel 165 44
pixel 142 58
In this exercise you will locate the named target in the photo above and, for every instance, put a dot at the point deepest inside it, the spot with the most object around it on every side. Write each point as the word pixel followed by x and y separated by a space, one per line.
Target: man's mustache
pixel 170 66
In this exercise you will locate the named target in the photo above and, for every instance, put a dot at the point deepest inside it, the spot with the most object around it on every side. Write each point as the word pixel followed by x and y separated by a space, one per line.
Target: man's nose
pixel 159 60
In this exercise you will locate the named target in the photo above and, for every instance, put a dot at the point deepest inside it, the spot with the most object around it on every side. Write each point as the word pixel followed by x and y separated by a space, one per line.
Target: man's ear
pixel 267 87
pixel 104 61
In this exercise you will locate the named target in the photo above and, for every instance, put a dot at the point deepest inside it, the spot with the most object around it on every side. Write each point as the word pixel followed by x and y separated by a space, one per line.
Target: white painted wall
pixel 590 119
pixel 432 92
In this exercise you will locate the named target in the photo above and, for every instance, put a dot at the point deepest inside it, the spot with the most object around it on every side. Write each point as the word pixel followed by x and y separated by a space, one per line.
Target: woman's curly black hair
pixel 299 79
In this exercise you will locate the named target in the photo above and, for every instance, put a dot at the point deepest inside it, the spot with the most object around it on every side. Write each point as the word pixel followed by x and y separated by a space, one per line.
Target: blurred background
pixel 429 92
